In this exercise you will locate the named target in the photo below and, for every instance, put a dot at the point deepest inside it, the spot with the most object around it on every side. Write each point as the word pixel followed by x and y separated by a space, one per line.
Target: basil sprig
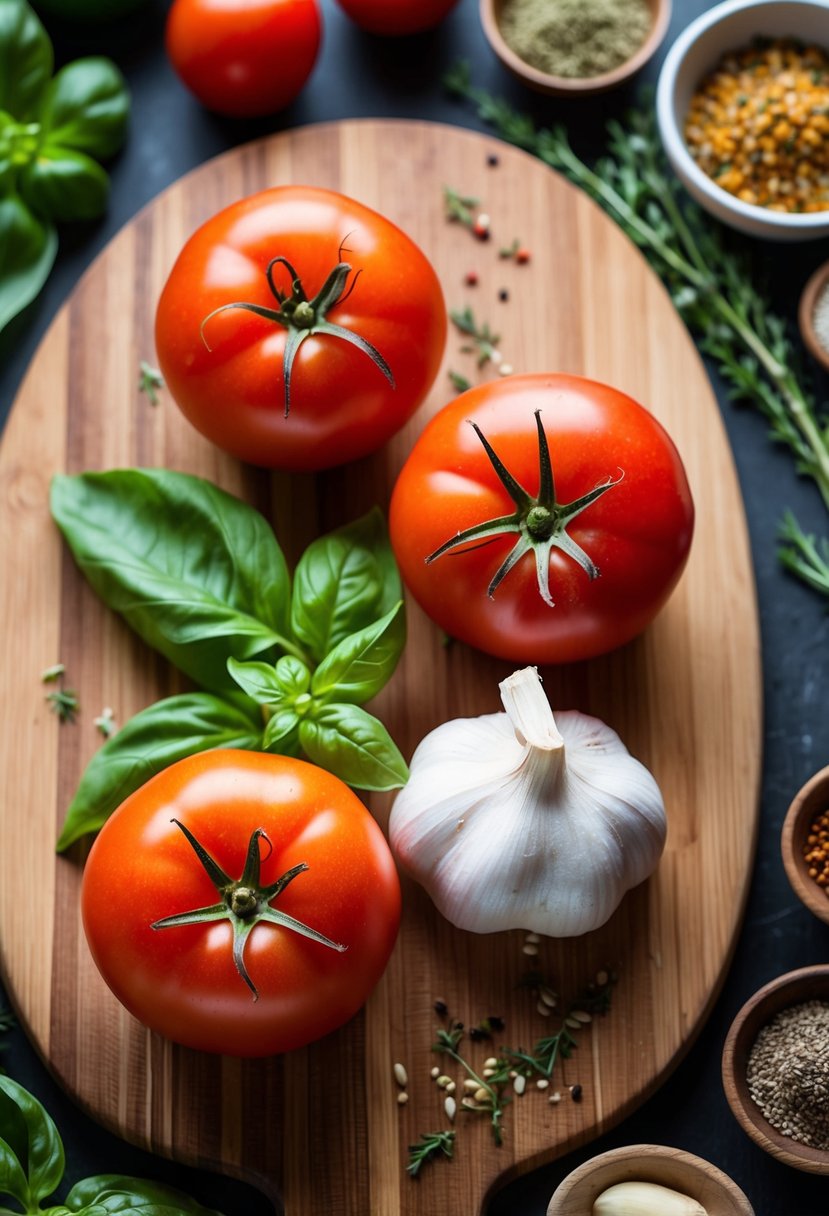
pixel 32 1166
pixel 283 664
pixel 53 133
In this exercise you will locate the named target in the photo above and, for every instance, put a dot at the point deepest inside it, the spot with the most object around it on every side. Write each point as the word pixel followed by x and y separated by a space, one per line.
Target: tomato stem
pixel 541 522
pixel 243 901
pixel 303 317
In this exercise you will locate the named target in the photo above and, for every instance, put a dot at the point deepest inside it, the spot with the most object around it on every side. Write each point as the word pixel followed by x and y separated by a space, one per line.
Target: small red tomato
pixel 241 903
pixel 244 58
pixel 552 529
pixel 396 16
pixel 299 329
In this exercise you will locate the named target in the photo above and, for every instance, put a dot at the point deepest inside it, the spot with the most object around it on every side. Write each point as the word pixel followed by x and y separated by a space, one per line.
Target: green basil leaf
pixel 195 572
pixel 361 664
pixel 28 247
pixel 116 1193
pixel 292 675
pixel 269 685
pixel 343 582
pixel 60 184
pixel 26 60
pixel 354 746
pixel 281 734
pixel 44 1153
pixel 152 740
pixel 86 107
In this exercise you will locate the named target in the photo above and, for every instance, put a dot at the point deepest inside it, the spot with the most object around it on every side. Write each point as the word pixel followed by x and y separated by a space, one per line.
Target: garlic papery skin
pixel 519 820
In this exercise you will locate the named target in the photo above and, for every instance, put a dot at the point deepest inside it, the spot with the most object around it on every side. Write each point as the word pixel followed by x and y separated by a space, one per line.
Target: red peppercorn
pixel 471 278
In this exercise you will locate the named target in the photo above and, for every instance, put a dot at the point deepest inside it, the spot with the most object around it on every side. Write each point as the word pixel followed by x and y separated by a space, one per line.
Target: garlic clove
pixel 645 1199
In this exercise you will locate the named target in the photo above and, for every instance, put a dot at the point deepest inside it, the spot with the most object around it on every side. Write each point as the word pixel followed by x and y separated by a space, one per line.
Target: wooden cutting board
pixel 321 1128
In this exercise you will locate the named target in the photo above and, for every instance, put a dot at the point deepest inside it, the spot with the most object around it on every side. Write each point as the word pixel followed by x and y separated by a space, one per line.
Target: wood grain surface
pixel 321 1128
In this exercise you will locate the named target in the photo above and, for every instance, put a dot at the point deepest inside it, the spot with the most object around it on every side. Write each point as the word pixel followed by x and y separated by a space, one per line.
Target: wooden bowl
pixel 669 1167
pixel 560 85
pixel 805 317
pixel 810 801
pixel 809 983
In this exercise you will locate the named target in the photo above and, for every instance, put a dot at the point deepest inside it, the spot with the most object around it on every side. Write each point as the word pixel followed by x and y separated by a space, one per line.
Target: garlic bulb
pixel 645 1199
pixel 512 821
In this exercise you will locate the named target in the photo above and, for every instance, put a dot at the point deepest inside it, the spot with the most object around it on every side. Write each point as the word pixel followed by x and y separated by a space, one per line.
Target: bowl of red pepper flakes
pixel 743 111
pixel 805 844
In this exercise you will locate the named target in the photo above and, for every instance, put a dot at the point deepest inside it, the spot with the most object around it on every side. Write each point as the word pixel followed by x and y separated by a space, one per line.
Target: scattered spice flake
pixel 64 703
pixel 150 381
pixel 510 251
pixel 52 673
pixel 430 1145
pixel 105 723
pixel 484 341
pixel 459 382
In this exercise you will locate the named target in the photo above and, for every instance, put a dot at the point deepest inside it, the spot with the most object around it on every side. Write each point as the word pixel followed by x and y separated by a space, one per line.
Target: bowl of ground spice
pixel 775 1068
pixel 813 316
pixel 743 110
pixel 804 840
pixel 574 46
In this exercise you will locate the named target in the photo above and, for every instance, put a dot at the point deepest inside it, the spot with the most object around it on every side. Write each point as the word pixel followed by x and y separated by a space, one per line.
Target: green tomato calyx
pixel 244 901
pixel 303 317
pixel 541 522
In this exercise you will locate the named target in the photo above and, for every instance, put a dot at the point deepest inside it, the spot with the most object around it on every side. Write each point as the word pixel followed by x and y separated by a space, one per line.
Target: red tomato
pixel 342 403
pixel 396 16
pixel 635 533
pixel 181 980
pixel 244 57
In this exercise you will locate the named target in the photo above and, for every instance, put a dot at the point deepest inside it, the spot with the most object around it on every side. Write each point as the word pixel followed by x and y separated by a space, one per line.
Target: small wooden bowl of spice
pixel 805 838
pixel 648 1178
pixel 813 316
pixel 775 1069
pixel 574 46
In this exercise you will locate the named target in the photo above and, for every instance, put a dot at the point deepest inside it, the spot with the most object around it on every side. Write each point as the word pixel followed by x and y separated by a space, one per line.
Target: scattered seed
pixel 435 1073
pixel 548 996
pixel 581 1015
pixel 402 1098
pixel 519 1084
pixel 601 978
pixel 450 1106
pixel 506 370
pixel 575 1093
pixel 481 1094
pixel 542 1083
pixel 470 1085
pixel 532 938
pixel 487 1073
pixel 401 1076
pixel 469 1103
pixel 491 1062
pixel 543 1009
pixel 529 948
pixel 443 1081
pixel 555 1098
pixel 451 1087
pixel 495 357
pixel 513 1074
pixel 572 1023
pixel 481 227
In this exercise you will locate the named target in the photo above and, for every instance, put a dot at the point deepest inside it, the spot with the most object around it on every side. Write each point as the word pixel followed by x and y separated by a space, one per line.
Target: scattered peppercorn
pixel 759 126
pixel 492 160
pixel 481 227
pixel 441 1008
pixel 816 850
pixel 576 1093
pixel 471 278
pixel 522 256
pixel 503 295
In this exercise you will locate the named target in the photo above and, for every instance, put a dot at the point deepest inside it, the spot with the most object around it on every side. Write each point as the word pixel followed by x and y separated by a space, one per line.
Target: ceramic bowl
pixel 670 1167
pixel 561 85
pixel 810 983
pixel 729 27
pixel 817 284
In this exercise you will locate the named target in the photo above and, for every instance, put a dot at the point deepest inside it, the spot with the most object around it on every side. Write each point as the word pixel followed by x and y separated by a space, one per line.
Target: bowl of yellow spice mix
pixel 743 111
pixel 574 46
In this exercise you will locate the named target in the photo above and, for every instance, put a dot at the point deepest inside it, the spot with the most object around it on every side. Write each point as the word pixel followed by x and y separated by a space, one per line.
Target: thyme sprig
pixel 710 285
pixel 63 701
pixel 448 1043
pixel 459 207
pixel 484 344
pixel 430 1145
pixel 542 1059
pixel 150 381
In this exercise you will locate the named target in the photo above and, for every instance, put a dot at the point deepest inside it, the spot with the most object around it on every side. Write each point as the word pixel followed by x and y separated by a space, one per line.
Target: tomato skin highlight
pixel 244 58
pixel 342 406
pixel 396 16
pixel 182 981
pixel 638 532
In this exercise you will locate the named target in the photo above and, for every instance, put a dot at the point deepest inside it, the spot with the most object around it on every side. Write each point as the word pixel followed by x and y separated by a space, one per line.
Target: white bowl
pixel 697 50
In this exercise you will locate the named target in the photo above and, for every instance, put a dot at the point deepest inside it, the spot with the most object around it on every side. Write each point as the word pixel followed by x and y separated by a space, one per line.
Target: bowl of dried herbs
pixel 574 46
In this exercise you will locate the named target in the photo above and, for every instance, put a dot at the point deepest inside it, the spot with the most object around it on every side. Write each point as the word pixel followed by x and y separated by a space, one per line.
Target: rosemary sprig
pixel 804 555
pixel 430 1145
pixel 64 703
pixel 710 285
pixel 484 342
pixel 448 1043
pixel 150 381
